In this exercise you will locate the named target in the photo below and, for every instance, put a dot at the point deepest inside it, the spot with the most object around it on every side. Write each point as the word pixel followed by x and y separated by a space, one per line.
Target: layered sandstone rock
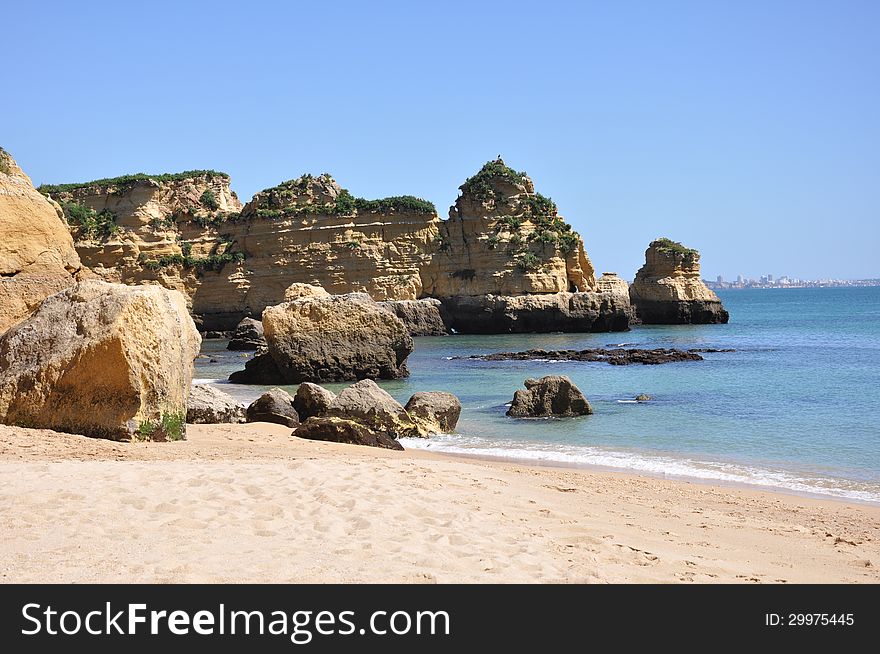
pixel 503 238
pixel 549 312
pixel 233 261
pixel 336 338
pixel 101 360
pixel 210 406
pixel 37 257
pixel 668 289
pixel 437 411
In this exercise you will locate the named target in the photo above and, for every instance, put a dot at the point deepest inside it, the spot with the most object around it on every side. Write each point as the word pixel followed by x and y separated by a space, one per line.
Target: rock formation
pixel 37 257
pixel 248 336
pixel 425 317
pixel 188 231
pixel 209 406
pixel 101 360
pixel 339 430
pixel 275 406
pixel 366 403
pixel 336 338
pixel 615 356
pixel 668 289
pixel 549 396
pixel 312 400
pixel 439 411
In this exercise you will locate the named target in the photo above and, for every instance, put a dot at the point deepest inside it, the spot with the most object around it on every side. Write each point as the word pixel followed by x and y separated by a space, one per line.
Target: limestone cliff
pixel 504 238
pixel 668 289
pixel 37 257
pixel 189 232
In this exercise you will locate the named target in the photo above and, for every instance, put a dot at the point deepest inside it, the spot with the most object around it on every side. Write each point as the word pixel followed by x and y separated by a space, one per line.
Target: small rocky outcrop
pixel 275 406
pixel 312 401
pixel 340 430
pixel 366 403
pixel 549 312
pixel 668 289
pixel 643 397
pixel 210 406
pixel 435 410
pixel 248 336
pixel 421 317
pixel 614 356
pixel 553 395
pixel 335 338
pixel 37 257
pixel 102 360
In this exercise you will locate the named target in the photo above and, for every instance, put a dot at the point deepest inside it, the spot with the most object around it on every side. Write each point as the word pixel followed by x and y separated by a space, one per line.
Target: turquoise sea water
pixel 796 407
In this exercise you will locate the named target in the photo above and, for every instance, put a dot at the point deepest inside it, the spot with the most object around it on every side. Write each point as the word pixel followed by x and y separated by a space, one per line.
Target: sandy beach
pixel 250 503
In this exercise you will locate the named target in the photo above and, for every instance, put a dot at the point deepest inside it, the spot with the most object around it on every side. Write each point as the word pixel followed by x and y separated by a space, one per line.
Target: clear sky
pixel 748 129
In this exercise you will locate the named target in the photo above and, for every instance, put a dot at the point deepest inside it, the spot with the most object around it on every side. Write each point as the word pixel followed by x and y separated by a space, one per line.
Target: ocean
pixel 796 407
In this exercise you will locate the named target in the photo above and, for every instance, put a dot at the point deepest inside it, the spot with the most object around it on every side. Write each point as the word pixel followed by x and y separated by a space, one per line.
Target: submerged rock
pixel 312 400
pixel 437 411
pixel 248 335
pixel 274 406
pixel 102 360
pixel 208 405
pixel 615 356
pixel 340 430
pixel 549 396
pixel 668 289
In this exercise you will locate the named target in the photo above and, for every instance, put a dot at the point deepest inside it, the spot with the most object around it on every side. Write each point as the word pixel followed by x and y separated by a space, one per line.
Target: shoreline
pixel 238 503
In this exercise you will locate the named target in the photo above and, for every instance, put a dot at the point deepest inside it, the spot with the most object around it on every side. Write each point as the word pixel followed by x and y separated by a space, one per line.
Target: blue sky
pixel 750 130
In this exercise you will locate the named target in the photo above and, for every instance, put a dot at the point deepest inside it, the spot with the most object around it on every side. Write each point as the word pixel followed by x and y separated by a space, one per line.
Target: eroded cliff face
pixel 189 232
pixel 37 257
pixel 504 238
pixel 668 289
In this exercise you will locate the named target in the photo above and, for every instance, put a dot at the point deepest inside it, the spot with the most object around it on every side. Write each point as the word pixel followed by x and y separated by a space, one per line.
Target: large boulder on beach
pixel 248 335
pixel 102 360
pixel 312 400
pixel 435 409
pixel 336 338
pixel 366 403
pixel 554 395
pixel 340 430
pixel 275 406
pixel 209 406
pixel 298 290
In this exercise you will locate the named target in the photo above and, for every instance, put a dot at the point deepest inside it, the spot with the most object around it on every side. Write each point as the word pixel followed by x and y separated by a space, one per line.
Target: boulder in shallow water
pixel 643 398
pixel 260 369
pixel 312 400
pixel 554 395
pixel 103 360
pixel 274 406
pixel 336 338
pixel 422 317
pixel 248 336
pixel 340 430
pixel 435 410
pixel 209 406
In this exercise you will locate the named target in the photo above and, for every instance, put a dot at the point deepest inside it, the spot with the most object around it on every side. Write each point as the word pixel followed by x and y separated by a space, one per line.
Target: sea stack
pixel 37 257
pixel 668 289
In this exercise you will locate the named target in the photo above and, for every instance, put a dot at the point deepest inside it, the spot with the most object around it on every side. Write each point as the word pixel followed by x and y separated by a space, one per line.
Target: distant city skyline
pixel 746 130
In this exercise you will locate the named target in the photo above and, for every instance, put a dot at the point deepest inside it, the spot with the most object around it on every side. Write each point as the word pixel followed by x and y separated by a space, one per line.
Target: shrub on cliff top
pixel 670 247
pixel 93 225
pixel 124 182
pixel 4 162
pixel 480 184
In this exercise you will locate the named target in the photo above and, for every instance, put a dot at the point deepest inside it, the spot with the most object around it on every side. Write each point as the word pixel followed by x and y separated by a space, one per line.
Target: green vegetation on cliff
pixel 209 200
pixel 480 185
pixel 124 182
pixel 93 225
pixel 674 248
pixel 214 262
pixel 4 162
